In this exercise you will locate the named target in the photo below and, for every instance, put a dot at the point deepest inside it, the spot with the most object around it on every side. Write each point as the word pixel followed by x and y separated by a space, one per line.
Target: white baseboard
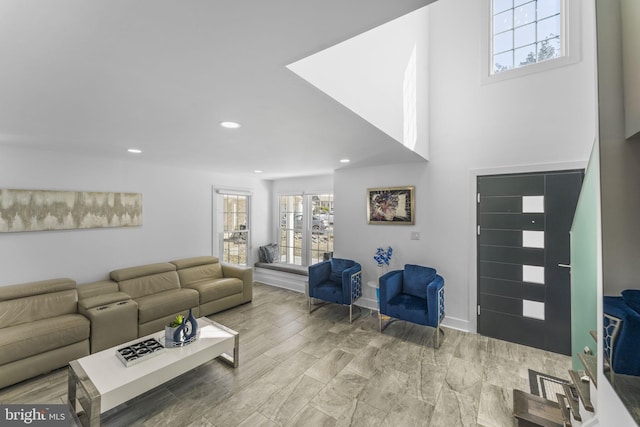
pixel 296 283
pixel 455 323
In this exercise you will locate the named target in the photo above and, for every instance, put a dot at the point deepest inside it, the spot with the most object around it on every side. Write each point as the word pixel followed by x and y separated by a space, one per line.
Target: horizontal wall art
pixel 38 210
pixel 391 205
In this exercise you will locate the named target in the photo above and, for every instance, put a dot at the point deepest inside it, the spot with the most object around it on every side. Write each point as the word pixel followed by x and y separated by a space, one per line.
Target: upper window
pixel 525 32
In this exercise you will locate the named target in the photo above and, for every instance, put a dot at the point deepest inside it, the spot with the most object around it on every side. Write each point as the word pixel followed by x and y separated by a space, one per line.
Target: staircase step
pixel 532 410
pixel 590 363
pixel 572 398
pixel 583 388
pixel 564 410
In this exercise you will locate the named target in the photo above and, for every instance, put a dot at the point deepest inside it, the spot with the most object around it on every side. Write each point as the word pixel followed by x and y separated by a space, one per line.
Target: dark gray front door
pixel 524 287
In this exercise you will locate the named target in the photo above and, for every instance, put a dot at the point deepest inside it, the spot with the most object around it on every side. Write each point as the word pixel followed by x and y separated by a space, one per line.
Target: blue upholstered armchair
pixel 415 294
pixel 337 281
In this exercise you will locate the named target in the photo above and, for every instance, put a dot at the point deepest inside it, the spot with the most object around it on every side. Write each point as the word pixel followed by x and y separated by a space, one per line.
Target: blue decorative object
pixel 383 257
pixel 190 327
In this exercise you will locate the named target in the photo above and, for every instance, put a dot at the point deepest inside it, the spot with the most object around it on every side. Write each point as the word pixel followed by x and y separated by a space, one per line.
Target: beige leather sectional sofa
pixel 44 325
pixel 40 329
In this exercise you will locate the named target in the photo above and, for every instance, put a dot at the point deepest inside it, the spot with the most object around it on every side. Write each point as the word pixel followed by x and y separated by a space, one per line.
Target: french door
pixel 524 288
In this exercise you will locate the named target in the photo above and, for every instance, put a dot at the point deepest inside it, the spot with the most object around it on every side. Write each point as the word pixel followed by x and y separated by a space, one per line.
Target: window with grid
pixel 291 227
pixel 306 228
pixel 235 232
pixel 321 227
pixel 525 32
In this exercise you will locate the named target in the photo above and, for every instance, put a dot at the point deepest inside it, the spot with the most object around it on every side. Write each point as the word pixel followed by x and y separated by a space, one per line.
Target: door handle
pixel 564 265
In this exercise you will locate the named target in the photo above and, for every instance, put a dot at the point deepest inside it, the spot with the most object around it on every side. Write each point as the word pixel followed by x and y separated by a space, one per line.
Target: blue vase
pixel 191 326
pixel 178 335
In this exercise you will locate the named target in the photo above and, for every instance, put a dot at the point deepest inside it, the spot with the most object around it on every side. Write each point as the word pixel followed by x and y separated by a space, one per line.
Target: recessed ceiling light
pixel 230 125
pixel 134 150
pixel 257 171
pixel 344 160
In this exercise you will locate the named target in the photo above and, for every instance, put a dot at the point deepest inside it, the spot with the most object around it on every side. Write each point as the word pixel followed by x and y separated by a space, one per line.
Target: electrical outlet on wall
pixel 415 235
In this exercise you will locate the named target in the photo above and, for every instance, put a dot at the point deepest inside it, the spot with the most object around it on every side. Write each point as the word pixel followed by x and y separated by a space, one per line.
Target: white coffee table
pixel 100 381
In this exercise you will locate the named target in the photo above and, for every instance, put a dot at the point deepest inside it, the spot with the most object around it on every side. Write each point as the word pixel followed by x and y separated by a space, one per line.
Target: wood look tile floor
pixel 298 369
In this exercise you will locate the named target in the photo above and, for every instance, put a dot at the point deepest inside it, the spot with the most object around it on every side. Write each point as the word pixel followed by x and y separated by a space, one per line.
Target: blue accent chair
pixel 337 281
pixel 415 294
pixel 621 325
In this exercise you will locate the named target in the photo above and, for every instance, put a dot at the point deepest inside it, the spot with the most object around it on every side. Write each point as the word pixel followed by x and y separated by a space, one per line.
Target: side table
pixel 374 284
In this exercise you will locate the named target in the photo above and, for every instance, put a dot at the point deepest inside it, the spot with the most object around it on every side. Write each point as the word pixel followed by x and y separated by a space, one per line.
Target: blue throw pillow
pixel 416 278
pixel 632 298
pixel 338 265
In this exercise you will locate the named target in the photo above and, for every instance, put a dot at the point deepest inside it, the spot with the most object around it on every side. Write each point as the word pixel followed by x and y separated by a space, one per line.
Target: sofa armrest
pixel 346 279
pixel 435 306
pixel 319 273
pixel 104 299
pixel 243 273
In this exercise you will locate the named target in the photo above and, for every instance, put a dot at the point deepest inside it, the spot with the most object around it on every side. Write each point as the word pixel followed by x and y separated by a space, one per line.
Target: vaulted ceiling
pixel 99 77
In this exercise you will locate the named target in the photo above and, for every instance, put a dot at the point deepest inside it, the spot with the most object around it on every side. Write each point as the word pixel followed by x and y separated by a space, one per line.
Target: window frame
pixel 307 233
pixel 570 17
pixel 219 228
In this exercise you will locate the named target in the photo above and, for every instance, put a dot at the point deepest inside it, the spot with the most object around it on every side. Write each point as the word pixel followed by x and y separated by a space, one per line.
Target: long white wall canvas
pixel 38 210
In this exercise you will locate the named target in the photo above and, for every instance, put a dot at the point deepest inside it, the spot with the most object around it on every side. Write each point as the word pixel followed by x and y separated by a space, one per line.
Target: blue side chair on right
pixel 415 294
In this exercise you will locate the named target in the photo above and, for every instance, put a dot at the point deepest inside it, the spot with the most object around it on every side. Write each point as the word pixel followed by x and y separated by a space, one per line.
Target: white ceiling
pixel 98 77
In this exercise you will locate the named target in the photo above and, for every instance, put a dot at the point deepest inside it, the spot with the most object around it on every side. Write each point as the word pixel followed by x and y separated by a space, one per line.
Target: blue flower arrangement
pixel 383 257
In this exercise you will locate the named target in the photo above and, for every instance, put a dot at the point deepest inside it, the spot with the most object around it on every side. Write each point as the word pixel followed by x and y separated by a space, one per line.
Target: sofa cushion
pixel 28 339
pixel 155 306
pixel 212 290
pixel 37 307
pixel 632 298
pixel 141 271
pixel 35 288
pixel 194 261
pixel 89 290
pixel 150 285
pixel 192 275
pixel 415 280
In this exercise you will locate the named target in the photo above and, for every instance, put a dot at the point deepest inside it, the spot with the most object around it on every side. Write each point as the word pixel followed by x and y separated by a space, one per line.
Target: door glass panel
pixel 533 274
pixel 532 239
pixel 532 204
pixel 533 309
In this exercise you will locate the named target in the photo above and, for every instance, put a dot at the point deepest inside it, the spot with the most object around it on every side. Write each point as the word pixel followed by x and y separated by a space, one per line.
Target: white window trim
pixel 217 229
pixel 570 39
pixel 307 212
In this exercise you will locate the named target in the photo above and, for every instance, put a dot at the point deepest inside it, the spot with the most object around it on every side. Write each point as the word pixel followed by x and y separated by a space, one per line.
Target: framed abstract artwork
pixel 39 210
pixel 391 205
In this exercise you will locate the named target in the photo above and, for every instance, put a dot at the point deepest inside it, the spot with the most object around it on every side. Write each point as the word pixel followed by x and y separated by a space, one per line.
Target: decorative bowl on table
pixel 139 351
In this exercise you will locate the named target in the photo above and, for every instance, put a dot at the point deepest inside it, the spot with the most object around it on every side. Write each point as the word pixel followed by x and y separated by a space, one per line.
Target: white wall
pixel 620 200
pixel 543 121
pixel 367 74
pixel 177 215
